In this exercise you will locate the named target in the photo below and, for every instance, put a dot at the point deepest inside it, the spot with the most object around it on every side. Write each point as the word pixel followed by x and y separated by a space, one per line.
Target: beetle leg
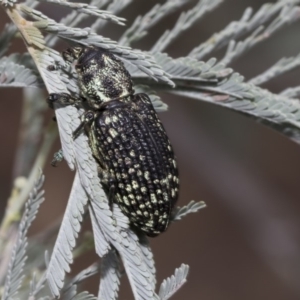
pixel 57 157
pixel 63 99
pixel 86 119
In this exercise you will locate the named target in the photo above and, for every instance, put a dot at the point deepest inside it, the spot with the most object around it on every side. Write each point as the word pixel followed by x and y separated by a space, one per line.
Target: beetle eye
pixel 89 116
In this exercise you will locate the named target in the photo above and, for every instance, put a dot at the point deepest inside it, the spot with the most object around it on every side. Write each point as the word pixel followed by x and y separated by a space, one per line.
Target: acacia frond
pixel 36 287
pixel 15 269
pixel 187 69
pixel 110 276
pixel 284 65
pixel 73 19
pixel 217 84
pixel 185 72
pixel 148 258
pixel 15 74
pixel 62 255
pixel 288 15
pixel 70 290
pixel 172 284
pixel 142 24
pixel 185 21
pixel 89 10
pixel 101 245
pixel 192 207
pixel 236 29
pixel 278 112
pixel 293 92
pixel 139 274
pixel 115 7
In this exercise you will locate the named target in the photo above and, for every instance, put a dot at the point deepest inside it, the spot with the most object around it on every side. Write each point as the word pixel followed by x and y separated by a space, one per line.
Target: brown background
pixel 246 243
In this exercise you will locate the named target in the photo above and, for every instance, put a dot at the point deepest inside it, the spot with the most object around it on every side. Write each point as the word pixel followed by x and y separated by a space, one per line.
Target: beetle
pixel 136 161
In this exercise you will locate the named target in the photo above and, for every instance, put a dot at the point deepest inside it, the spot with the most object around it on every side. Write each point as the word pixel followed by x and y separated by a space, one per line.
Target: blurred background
pixel 246 243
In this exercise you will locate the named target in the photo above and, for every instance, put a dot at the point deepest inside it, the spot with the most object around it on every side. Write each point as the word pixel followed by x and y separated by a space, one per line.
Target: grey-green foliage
pixel 282 66
pixel 70 290
pixel 18 258
pixel 184 22
pixel 192 207
pixel 110 276
pixel 14 73
pixel 172 284
pixel 142 24
pixel 197 75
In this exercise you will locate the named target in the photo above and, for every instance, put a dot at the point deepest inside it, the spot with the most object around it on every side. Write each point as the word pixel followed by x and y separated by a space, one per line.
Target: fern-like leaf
pixel 192 207
pixel 293 92
pixel 14 275
pixel 142 24
pixel 282 66
pixel 101 245
pixel 115 7
pixel 288 15
pixel 187 69
pixel 172 284
pixel 72 20
pixel 14 74
pixel 140 276
pixel 62 255
pixel 185 21
pixel 110 276
pixel 36 286
pixel 89 10
pixel 148 258
pixel 248 23
pixel 280 113
pixel 70 290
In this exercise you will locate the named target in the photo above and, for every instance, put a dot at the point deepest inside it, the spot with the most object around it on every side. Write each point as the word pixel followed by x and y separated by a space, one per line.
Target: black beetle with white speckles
pixel 136 162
